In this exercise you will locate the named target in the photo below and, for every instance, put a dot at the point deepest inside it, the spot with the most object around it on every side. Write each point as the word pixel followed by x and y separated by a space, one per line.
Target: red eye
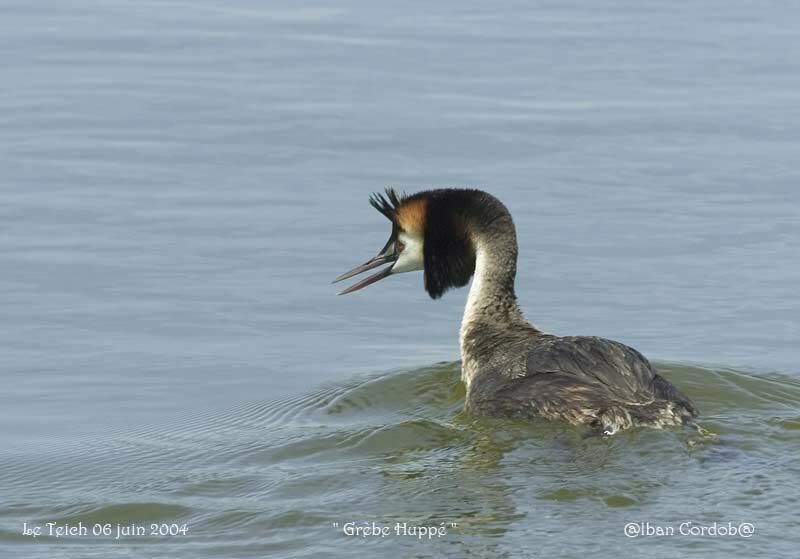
pixel 399 246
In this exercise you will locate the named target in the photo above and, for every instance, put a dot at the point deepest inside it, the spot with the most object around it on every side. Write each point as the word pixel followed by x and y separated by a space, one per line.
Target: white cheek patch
pixel 412 258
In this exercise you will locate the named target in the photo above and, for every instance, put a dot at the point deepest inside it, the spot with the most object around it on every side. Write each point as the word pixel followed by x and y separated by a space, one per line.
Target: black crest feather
pixel 387 204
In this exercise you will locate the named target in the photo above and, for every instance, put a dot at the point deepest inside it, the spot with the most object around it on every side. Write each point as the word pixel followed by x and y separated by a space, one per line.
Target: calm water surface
pixel 182 180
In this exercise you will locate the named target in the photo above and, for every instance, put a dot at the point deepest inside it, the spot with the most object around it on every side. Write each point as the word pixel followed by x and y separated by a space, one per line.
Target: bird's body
pixel 510 367
pixel 583 380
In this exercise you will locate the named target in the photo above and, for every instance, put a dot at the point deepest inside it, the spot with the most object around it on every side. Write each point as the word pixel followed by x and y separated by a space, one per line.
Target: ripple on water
pixel 126 513
pixel 395 447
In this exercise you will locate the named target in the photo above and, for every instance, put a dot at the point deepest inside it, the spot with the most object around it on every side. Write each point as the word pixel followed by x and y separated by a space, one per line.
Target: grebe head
pixel 431 231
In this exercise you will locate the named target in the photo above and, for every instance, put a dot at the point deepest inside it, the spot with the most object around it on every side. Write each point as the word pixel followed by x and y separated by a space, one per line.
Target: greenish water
pixel 273 478
pixel 181 181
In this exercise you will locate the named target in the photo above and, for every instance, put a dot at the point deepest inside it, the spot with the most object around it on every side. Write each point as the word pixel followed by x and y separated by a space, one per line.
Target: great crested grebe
pixel 511 368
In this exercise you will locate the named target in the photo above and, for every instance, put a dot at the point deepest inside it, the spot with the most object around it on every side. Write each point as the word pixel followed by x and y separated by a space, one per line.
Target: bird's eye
pixel 399 246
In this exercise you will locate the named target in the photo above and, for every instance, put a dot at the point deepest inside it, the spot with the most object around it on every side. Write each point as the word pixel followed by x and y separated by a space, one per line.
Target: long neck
pixel 492 303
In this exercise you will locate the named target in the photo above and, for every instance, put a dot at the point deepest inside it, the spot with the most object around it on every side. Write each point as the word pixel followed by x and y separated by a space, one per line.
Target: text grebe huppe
pixel 511 368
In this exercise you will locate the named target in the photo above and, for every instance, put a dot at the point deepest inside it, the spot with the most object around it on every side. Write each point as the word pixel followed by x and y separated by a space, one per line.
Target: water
pixel 181 181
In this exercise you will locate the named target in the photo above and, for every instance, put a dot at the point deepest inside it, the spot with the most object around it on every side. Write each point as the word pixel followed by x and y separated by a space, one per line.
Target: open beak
pixel 383 258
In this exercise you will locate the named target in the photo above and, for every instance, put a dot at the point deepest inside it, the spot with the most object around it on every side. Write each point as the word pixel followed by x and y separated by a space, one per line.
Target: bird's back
pixel 585 381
